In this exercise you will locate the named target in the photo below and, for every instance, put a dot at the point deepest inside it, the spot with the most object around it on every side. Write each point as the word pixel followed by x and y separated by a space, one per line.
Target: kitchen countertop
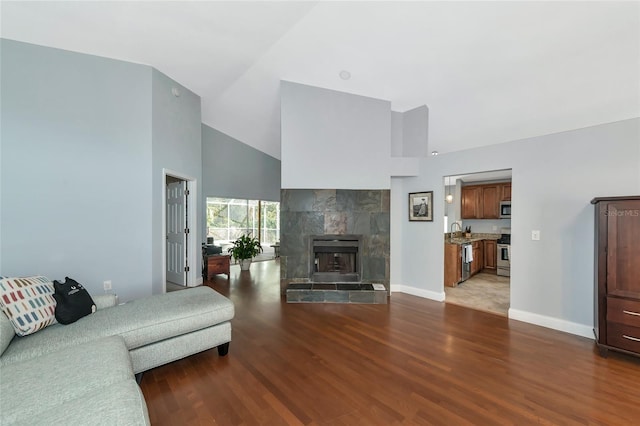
pixel 459 239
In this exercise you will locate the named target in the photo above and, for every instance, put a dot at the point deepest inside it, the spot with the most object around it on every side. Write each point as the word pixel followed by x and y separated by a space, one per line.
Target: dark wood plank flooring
pixel 414 361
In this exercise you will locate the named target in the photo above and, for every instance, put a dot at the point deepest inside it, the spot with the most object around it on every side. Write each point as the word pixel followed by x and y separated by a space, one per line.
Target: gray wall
pixel 554 179
pixel 233 169
pixel 76 168
pixel 177 147
pixel 334 140
pixel 397 142
pixel 415 124
pixel 85 141
pixel 409 132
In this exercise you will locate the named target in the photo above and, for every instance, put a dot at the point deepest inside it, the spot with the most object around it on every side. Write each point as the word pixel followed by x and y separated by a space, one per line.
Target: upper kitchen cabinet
pixel 490 202
pixel 471 202
pixel 505 190
pixel 483 201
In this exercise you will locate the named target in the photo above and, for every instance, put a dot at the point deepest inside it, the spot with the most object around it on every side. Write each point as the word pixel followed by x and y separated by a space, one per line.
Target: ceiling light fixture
pixel 345 75
pixel 434 153
pixel 449 197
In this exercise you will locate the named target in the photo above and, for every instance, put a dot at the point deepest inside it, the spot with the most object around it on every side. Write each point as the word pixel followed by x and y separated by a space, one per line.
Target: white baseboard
pixel 427 294
pixel 516 314
pixel 551 322
pixel 199 281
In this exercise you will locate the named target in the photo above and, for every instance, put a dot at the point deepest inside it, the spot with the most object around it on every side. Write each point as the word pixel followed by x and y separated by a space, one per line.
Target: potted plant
pixel 244 249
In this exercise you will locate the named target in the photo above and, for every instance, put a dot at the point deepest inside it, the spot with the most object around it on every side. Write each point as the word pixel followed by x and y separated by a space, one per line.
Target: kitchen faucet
pixel 452 226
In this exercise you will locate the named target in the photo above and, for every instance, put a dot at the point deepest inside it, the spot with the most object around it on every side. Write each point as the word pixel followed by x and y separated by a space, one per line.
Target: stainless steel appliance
pixel 505 210
pixel 466 254
pixel 504 253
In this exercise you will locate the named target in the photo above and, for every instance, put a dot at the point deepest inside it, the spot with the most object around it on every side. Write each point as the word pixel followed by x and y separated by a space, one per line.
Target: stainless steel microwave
pixel 505 210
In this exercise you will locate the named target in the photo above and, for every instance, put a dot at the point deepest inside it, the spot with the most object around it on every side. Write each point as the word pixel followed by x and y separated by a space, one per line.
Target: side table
pixel 217 264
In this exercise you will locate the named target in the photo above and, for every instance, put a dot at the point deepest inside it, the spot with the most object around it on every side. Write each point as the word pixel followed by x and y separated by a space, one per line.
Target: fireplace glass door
pixel 342 263
pixel 334 258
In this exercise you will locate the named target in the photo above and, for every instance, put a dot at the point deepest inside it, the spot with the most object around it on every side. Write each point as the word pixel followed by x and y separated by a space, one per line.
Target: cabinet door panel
pixel 470 202
pixel 506 192
pixel 452 265
pixel 623 246
pixel 490 254
pixel 478 261
pixel 490 202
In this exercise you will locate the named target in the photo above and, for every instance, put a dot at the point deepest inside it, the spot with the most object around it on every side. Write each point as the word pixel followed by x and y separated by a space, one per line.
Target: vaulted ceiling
pixel 489 72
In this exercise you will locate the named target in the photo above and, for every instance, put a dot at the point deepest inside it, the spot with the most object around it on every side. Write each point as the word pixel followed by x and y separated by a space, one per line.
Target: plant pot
pixel 244 264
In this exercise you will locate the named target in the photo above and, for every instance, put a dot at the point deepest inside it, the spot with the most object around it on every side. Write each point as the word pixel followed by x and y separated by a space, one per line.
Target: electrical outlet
pixel 535 235
pixel 107 285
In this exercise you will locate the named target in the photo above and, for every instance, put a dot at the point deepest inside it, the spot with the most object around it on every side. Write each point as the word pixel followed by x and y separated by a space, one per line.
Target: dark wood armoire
pixel 617 274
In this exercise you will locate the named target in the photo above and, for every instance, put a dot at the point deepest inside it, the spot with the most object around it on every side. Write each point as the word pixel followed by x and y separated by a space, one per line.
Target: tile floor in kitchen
pixel 483 291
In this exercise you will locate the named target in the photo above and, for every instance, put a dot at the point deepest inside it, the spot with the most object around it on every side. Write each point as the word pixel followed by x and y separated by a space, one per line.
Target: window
pixel 269 222
pixel 228 218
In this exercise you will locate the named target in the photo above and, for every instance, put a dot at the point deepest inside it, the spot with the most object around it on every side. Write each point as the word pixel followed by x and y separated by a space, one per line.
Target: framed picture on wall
pixel 421 206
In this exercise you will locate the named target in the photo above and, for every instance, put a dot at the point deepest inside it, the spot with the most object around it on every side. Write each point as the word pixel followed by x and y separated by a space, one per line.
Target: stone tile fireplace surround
pixel 310 216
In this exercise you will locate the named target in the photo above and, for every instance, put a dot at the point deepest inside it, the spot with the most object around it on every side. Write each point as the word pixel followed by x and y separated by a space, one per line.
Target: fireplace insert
pixel 335 258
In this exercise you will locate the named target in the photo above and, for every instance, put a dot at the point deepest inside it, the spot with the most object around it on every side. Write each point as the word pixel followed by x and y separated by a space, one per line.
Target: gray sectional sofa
pixel 83 373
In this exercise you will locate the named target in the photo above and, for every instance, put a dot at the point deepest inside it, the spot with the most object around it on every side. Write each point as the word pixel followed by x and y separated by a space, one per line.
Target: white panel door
pixel 176 233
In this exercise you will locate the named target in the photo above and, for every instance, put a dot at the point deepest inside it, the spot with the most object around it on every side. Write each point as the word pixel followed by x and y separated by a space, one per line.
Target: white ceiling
pixel 490 72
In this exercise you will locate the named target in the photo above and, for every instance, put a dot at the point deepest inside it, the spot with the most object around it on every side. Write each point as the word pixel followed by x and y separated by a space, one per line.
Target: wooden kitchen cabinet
pixel 490 256
pixel 452 264
pixel 471 202
pixel 483 201
pixel 505 191
pixel 478 261
pixel 617 274
pixel 490 202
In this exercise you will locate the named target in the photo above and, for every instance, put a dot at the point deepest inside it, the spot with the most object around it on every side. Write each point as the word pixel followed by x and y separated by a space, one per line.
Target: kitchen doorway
pixel 477 240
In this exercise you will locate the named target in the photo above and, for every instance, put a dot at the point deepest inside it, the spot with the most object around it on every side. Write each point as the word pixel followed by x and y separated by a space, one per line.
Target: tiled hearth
pixel 336 293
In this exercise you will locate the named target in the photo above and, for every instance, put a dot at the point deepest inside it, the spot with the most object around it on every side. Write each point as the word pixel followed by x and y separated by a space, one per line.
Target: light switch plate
pixel 535 235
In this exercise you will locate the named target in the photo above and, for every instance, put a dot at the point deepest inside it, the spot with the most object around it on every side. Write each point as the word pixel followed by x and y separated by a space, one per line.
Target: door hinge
pixel 186 230
pixel 186 192
pixel 186 269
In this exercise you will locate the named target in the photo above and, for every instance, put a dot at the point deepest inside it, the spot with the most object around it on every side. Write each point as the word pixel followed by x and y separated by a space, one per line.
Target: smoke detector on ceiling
pixel 345 75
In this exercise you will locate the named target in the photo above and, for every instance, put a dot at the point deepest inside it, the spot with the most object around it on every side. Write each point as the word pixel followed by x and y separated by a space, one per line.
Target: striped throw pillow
pixel 28 303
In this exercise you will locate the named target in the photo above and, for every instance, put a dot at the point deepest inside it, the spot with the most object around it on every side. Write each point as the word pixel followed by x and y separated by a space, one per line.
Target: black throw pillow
pixel 72 301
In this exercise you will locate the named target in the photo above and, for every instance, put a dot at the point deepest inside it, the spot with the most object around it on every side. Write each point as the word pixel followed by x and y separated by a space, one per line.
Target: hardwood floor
pixel 413 361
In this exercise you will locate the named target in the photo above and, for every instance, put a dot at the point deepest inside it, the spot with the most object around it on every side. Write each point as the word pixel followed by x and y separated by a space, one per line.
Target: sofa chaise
pixel 83 373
